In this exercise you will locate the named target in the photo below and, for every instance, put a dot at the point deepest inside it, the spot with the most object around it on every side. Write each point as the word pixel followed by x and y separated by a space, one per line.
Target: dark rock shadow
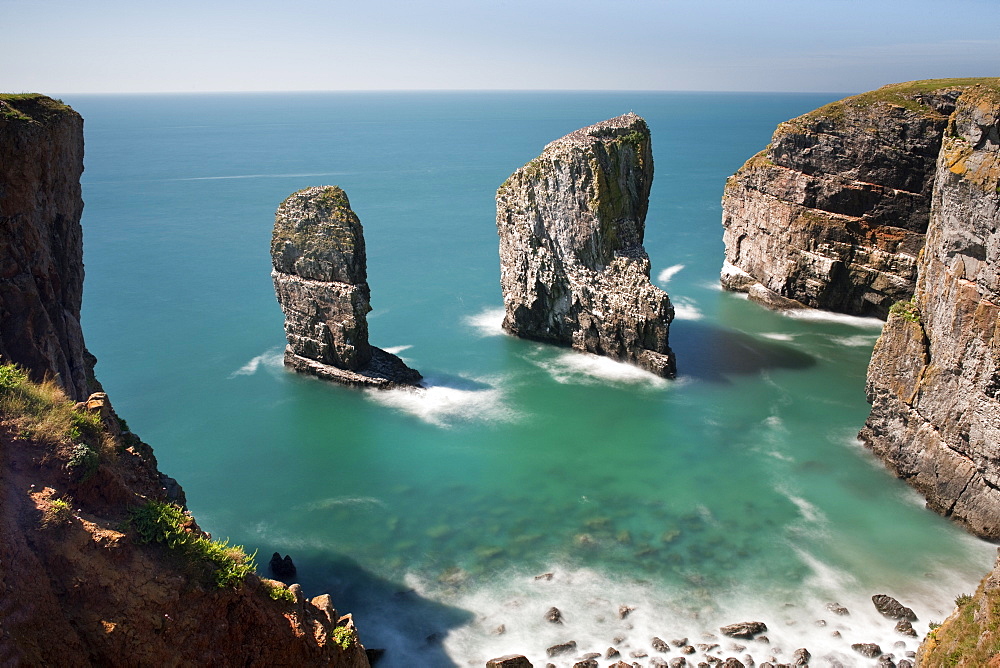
pixel 714 354
pixel 389 615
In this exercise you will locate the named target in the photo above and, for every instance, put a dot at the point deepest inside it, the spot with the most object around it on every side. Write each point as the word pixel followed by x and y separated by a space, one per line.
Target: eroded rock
pixel 573 270
pixel 321 281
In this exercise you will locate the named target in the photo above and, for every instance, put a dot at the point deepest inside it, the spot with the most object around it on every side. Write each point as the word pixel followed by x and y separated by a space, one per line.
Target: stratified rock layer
pixel 832 214
pixel 572 266
pixel 934 378
pixel 41 241
pixel 321 281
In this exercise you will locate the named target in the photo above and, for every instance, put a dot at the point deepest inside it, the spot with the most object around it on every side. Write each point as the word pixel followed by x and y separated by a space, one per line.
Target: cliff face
pixel 832 214
pixel 572 266
pixel 934 379
pixel 80 583
pixel 41 249
pixel 321 281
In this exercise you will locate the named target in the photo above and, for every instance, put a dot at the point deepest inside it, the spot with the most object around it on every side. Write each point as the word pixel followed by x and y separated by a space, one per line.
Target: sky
pixel 124 46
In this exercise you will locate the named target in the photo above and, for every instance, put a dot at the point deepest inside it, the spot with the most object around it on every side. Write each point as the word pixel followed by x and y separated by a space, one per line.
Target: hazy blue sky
pixel 74 46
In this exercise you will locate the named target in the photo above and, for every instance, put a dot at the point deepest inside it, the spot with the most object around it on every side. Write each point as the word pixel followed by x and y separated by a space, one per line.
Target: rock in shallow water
pixel 572 266
pixel 321 281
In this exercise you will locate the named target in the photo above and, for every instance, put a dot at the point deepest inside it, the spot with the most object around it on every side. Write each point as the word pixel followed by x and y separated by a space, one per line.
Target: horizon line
pixel 443 90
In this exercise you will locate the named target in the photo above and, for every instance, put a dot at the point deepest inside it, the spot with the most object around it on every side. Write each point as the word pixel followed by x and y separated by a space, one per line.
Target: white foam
pixel 443 403
pixel 273 358
pixel 395 350
pixel 664 276
pixel 589 602
pixel 777 336
pixel 829 316
pixel 586 369
pixel 856 341
pixel 685 309
pixel 488 322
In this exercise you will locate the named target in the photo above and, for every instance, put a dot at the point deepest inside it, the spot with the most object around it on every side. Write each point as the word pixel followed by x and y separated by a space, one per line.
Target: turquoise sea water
pixel 736 491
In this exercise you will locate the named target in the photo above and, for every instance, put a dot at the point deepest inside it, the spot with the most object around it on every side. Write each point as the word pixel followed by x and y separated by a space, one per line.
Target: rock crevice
pixel 573 270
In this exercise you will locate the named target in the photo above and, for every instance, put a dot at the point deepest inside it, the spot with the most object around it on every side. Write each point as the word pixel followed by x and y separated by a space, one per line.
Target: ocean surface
pixel 737 491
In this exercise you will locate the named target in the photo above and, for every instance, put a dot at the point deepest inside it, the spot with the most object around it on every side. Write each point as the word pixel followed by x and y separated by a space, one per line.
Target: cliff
pixel 321 280
pixel 99 562
pixel 934 378
pixel 573 270
pixel 833 213
pixel 969 638
pixel 41 248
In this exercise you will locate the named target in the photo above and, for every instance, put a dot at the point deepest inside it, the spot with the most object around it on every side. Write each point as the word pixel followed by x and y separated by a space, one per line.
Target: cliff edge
pixel 99 562
pixel 934 378
pixel 573 269
pixel 833 213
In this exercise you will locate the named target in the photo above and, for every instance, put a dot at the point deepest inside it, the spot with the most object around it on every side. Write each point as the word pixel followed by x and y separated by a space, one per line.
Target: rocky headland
pixel 321 281
pixel 833 213
pixel 934 378
pixel 573 270
pixel 100 564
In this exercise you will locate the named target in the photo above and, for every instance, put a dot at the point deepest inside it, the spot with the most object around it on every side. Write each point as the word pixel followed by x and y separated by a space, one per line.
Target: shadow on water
pixel 389 615
pixel 713 354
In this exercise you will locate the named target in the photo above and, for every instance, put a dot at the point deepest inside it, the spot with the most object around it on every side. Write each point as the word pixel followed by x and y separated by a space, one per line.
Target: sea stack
pixel 934 378
pixel 833 213
pixel 321 281
pixel 572 266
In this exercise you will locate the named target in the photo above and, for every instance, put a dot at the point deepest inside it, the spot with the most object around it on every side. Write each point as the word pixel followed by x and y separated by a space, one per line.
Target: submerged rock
pixel 572 266
pixel 321 281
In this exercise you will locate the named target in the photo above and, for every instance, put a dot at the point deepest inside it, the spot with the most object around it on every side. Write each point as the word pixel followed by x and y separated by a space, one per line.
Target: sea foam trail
pixel 664 276
pixel 443 402
pixel 273 358
pixel 257 176
pixel 829 316
pixel 685 308
pixel 488 322
pixel 587 369
pixel 395 350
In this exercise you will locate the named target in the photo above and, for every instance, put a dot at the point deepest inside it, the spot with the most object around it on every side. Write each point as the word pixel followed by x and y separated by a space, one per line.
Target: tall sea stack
pixel 572 266
pixel 321 281
pixel 832 214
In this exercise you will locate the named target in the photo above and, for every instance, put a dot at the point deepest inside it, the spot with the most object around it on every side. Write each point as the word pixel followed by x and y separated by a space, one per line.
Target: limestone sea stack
pixel 572 266
pixel 321 281
pixel 832 214
pixel 934 378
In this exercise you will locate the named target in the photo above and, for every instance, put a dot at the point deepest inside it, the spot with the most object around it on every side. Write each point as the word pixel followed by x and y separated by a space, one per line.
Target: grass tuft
pixel 167 523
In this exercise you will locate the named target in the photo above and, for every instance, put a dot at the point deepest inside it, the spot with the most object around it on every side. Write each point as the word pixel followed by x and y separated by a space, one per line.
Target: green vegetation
pixel 29 106
pixel 344 636
pixel 42 410
pixel 906 309
pixel 906 95
pixel 969 637
pixel 334 197
pixel 166 523
pixel 58 513
pixel 277 591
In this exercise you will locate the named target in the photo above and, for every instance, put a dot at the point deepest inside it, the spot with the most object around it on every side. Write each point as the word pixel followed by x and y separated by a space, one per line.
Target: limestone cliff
pixel 321 281
pixel 81 583
pixel 934 379
pixel 572 266
pixel 832 214
pixel 41 251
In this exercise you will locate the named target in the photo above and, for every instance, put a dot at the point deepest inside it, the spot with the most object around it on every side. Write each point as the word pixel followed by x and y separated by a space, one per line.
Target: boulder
pixel 745 630
pixel 892 609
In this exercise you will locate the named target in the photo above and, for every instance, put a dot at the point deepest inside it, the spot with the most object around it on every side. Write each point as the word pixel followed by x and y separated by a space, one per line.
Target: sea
pixel 448 520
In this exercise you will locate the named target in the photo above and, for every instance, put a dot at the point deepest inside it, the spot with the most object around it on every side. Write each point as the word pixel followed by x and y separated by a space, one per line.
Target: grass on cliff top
pixel 29 106
pixel 970 636
pixel 168 524
pixel 904 95
pixel 42 411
